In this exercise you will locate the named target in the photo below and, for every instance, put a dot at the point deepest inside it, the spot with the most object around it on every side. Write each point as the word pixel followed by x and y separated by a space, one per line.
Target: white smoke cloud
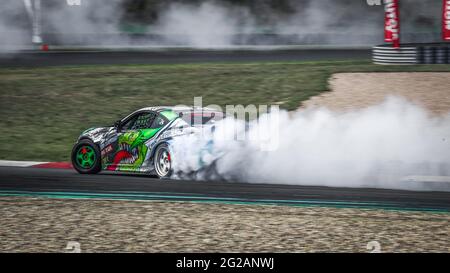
pixel 372 147
pixel 204 25
pixel 213 24
pixel 13 32
pixel 94 22
pixel 92 16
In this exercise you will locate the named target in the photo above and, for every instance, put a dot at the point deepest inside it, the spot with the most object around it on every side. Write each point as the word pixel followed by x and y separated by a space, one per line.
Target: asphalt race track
pixel 55 58
pixel 15 181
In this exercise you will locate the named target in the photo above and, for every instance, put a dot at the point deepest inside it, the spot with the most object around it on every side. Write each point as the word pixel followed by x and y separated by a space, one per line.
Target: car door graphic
pixel 131 150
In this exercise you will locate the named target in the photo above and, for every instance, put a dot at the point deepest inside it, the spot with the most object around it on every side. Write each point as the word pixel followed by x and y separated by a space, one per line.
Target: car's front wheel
pixel 163 161
pixel 86 157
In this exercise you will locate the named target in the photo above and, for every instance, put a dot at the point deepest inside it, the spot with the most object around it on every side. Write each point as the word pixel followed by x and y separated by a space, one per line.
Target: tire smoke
pixel 374 147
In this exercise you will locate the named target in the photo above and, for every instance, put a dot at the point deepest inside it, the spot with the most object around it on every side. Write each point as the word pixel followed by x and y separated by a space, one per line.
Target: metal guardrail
pixel 411 54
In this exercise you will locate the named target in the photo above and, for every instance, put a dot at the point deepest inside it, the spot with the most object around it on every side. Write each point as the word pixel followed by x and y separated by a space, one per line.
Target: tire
pixel 86 157
pixel 162 162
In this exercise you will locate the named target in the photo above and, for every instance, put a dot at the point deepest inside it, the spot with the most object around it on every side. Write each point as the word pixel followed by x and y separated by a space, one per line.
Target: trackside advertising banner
pixel 446 21
pixel 392 22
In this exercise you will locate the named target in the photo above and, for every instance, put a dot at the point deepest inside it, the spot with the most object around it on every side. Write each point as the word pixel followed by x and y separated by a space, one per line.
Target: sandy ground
pixel 36 225
pixel 358 90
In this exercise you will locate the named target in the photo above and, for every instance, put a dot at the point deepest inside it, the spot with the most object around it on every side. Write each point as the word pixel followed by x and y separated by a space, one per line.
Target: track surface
pixel 50 182
pixel 175 56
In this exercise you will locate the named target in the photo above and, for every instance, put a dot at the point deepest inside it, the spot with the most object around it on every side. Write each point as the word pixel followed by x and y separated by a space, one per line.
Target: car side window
pixel 159 122
pixel 143 121
pixel 138 121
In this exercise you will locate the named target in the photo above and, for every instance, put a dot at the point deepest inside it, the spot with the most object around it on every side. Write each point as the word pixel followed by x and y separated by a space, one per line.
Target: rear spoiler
pixel 199 117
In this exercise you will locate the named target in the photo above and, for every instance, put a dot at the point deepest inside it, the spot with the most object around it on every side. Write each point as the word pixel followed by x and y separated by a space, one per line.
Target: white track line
pixel 423 178
pixel 10 163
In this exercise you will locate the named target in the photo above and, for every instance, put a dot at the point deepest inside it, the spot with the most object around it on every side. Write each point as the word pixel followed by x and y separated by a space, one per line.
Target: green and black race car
pixel 140 142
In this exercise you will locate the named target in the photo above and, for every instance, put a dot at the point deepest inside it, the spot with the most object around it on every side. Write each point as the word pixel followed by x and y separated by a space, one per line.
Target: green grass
pixel 43 110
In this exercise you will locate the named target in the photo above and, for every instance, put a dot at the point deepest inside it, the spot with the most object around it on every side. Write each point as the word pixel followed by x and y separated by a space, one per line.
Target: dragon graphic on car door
pixel 129 150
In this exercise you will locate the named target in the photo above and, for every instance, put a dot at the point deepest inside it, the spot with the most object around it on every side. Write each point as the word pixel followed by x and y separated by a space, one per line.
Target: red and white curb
pixel 36 164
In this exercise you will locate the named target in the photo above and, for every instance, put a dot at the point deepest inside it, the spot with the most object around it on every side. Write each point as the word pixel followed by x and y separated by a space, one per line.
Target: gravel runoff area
pixel 430 90
pixel 39 224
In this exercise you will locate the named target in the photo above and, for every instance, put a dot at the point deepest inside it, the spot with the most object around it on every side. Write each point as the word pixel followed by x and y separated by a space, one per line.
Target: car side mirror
pixel 117 125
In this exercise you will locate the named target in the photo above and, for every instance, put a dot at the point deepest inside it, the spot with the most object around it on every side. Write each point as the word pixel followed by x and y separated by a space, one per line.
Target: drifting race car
pixel 140 142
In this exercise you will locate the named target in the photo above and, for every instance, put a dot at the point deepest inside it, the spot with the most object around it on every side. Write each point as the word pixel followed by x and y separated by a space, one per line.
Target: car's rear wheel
pixel 86 157
pixel 163 161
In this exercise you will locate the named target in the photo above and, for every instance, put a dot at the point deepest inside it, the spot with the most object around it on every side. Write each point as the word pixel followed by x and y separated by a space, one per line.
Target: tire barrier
pixel 411 54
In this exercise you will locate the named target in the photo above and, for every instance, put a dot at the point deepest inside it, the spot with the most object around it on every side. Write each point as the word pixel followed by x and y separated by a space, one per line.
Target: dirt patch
pixel 359 90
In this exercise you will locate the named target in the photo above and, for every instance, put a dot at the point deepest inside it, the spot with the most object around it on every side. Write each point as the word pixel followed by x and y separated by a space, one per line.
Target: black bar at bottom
pixel 219 262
